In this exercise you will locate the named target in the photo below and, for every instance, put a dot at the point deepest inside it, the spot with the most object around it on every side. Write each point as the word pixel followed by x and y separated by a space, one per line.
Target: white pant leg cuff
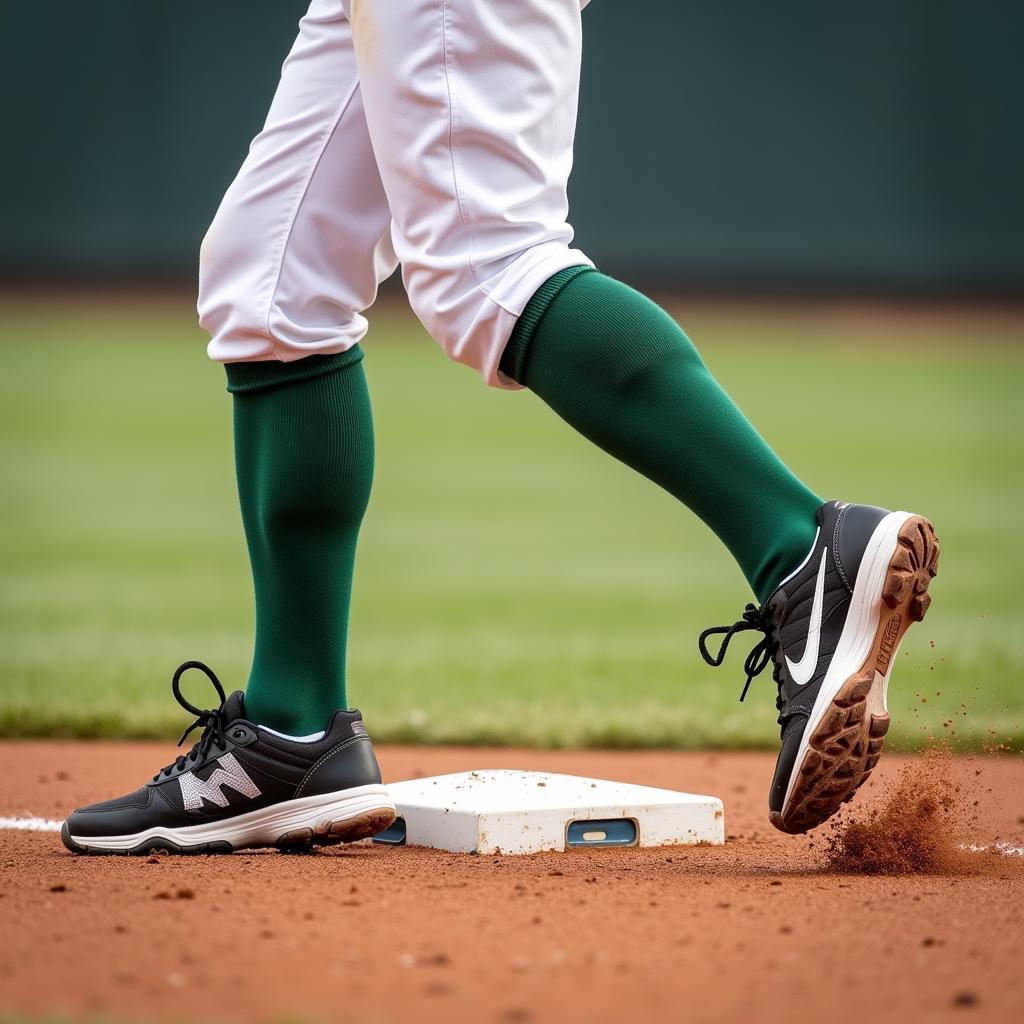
pixel 286 343
pixel 518 283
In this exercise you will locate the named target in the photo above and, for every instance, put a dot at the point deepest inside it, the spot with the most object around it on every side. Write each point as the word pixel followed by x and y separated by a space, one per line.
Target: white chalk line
pixel 30 824
pixel 1008 849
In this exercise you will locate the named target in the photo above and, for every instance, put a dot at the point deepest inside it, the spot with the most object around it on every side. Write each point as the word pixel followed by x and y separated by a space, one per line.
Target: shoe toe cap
pixel 124 815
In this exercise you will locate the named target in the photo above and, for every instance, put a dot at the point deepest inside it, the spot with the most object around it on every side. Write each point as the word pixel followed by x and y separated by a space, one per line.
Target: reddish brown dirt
pixel 766 928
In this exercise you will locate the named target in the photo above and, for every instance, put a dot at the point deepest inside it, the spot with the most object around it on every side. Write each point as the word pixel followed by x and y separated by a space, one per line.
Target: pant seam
pixel 462 206
pixel 302 193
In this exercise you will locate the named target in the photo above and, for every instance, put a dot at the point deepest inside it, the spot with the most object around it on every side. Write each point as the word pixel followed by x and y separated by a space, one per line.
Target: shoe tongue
pixel 234 706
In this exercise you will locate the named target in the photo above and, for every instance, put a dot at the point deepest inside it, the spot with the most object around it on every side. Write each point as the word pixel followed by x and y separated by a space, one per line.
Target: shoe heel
pixel 344 830
pixel 351 830
pixel 912 569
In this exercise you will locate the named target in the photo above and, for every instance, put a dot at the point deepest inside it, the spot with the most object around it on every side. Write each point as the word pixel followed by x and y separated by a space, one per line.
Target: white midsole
pixel 858 631
pixel 262 827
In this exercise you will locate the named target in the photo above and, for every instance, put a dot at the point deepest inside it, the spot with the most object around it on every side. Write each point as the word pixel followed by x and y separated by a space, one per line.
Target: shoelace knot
pixel 210 720
pixel 760 654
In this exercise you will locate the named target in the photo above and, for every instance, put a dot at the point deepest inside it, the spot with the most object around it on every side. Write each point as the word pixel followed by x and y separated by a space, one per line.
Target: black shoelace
pixel 760 654
pixel 211 721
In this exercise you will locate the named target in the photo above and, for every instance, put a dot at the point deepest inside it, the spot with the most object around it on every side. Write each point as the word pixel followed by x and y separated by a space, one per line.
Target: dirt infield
pixel 765 928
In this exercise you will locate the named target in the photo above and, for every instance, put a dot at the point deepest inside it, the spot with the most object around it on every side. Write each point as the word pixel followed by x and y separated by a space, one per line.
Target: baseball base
pixel 516 812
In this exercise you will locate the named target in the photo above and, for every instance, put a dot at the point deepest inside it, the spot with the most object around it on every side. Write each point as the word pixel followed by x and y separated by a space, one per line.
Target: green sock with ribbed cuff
pixel 617 368
pixel 304 454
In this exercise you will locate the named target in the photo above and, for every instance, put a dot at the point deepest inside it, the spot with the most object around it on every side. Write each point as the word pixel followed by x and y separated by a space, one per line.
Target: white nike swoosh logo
pixel 801 671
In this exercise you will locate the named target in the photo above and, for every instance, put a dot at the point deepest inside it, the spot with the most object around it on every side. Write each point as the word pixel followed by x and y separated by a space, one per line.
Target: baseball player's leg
pixel 293 257
pixel 471 109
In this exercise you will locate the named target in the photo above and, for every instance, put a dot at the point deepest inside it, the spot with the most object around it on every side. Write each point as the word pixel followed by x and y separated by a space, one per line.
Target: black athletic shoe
pixel 832 629
pixel 243 785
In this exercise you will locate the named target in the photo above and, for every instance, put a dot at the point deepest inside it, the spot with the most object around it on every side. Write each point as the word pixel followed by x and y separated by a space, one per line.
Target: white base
pixel 499 811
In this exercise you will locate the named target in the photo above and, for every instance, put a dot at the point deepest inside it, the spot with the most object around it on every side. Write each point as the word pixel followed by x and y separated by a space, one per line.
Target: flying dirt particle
pixel 59 887
pixel 162 895
pixel 185 894
pixel 929 940
pixel 775 881
pixel 437 960
pixel 786 929
pixel 965 999
pixel 920 825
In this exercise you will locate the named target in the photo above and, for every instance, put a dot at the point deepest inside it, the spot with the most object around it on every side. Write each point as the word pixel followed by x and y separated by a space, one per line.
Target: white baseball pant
pixel 433 133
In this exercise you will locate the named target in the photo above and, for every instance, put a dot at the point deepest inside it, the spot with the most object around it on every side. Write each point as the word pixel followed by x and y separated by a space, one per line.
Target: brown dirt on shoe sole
pixel 847 742
pixel 350 830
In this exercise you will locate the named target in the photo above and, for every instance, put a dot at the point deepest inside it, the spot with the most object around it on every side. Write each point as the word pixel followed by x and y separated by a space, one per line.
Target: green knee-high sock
pixel 617 368
pixel 304 458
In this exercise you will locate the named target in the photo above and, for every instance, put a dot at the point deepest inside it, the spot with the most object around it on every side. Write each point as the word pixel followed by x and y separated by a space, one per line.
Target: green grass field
pixel 514 584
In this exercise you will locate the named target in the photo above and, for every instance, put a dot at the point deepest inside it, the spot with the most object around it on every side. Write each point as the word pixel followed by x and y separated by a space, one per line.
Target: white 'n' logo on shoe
pixel 230 773
pixel 802 671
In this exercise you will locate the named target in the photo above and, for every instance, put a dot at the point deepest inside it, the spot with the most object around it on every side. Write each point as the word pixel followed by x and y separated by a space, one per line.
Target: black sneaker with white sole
pixel 243 785
pixel 831 631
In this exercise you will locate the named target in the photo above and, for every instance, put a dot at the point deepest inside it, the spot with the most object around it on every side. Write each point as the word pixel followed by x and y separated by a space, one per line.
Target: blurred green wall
pixel 731 143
